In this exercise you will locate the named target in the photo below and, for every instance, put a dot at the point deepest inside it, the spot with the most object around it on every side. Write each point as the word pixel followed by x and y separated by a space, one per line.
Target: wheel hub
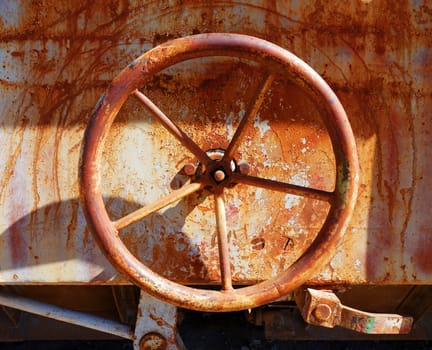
pixel 217 173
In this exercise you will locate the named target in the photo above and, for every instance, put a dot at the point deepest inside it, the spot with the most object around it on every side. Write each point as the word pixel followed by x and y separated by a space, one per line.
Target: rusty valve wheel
pixel 219 170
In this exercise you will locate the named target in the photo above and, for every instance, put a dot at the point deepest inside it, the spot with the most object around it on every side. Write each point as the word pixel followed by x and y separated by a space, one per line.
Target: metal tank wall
pixel 58 57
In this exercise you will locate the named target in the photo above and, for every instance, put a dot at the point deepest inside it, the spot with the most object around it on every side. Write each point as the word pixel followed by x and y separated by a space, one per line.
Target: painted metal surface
pixel 58 57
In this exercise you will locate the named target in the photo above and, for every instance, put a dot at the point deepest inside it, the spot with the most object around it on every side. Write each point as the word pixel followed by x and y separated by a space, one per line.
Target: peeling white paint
pixel 357 264
pixel 291 201
pixel 261 125
pixel 229 124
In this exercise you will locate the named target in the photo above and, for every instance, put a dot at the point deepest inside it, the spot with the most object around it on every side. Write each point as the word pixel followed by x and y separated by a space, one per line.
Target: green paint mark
pixel 370 324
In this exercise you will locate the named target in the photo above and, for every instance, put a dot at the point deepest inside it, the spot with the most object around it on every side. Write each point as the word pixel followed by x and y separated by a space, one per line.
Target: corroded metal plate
pixel 57 59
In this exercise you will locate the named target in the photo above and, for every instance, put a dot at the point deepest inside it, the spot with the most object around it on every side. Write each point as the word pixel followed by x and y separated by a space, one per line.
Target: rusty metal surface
pixel 156 326
pixel 218 173
pixel 57 58
pixel 324 308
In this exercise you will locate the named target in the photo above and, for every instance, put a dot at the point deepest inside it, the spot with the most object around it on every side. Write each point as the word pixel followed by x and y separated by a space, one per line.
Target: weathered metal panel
pixel 57 58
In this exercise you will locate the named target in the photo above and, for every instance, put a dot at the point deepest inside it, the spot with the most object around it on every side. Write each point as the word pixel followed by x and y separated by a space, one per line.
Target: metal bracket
pixel 156 325
pixel 323 308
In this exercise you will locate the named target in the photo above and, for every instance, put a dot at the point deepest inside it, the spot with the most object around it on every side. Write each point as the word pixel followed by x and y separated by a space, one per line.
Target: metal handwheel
pixel 219 169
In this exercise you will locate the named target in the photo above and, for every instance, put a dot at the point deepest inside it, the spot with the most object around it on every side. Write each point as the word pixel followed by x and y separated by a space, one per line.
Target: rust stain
pixel 422 252
pixel 373 56
pixel 218 172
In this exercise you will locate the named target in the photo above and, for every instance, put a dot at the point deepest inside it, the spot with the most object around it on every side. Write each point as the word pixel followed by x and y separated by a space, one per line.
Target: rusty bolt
pixel 153 341
pixel 243 168
pixel 322 312
pixel 190 169
pixel 219 175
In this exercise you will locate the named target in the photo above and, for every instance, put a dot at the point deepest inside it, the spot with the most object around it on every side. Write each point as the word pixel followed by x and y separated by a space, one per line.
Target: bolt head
pixel 153 341
pixel 189 169
pixel 219 175
pixel 243 168
pixel 322 312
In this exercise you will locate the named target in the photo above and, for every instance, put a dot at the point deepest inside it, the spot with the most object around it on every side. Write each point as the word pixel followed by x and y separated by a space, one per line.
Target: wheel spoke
pixel 184 139
pixel 224 260
pixel 159 204
pixel 252 109
pixel 283 187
